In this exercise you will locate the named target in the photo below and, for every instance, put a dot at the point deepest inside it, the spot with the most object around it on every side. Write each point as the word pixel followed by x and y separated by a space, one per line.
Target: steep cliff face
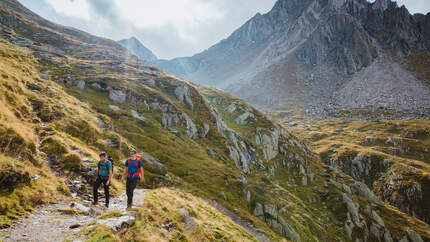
pixel 302 54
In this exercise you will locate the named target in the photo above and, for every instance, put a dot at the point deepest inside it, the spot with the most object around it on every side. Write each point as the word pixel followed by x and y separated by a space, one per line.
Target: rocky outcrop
pixel 117 96
pixel 407 189
pixel 183 95
pixel 269 214
pixel 10 178
pixel 244 118
pixel 341 40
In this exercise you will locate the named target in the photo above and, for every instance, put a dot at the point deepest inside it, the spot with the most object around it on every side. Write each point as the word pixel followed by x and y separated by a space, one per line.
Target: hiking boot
pixel 107 205
pixel 94 203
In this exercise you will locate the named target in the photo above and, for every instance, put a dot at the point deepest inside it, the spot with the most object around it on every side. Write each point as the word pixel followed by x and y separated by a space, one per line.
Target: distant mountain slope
pixel 137 48
pixel 67 95
pixel 323 56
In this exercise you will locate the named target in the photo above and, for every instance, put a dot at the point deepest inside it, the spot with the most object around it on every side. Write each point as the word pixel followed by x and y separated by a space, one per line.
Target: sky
pixel 170 28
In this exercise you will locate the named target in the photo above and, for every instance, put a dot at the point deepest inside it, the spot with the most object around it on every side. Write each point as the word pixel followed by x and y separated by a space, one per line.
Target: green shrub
pixel 72 162
pixel 53 147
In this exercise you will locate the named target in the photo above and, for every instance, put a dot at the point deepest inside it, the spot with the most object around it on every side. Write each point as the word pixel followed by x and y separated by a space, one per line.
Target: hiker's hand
pixel 107 183
pixel 122 179
pixel 142 179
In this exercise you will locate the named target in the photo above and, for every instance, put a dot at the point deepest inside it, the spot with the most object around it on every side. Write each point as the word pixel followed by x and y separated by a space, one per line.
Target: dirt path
pixel 52 223
pixel 241 222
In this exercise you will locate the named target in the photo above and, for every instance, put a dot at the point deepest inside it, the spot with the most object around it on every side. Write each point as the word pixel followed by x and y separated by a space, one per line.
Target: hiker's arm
pixel 142 178
pixel 124 174
pixel 110 176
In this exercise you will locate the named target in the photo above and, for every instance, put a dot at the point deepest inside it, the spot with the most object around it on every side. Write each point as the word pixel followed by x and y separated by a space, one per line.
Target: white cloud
pixel 149 13
pixel 74 8
pixel 170 28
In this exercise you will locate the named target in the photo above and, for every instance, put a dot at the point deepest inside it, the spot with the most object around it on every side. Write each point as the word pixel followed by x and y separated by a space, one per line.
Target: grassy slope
pixel 404 144
pixel 73 124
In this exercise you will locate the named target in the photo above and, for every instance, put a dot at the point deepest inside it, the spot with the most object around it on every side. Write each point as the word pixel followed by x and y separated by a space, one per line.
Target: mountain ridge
pixel 67 95
pixel 326 43
pixel 137 48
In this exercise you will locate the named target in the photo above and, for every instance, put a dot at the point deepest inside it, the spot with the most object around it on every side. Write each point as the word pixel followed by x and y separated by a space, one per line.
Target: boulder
pixel 364 191
pixel 189 222
pixel 114 108
pixel 210 152
pixel 117 96
pixel 118 223
pixel 81 85
pixel 258 211
pixel 244 118
pixel 270 210
pixel 352 208
pixel 153 162
pixel 136 115
pixel 183 95
pixel 414 236
pixel 206 131
pixel 191 127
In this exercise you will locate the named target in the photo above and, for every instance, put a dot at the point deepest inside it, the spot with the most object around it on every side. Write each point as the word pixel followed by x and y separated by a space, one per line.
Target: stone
pixel 414 236
pixel 117 96
pixel 96 85
pixel 270 210
pixel 153 162
pixel 191 127
pixel 190 224
pixel 231 108
pixel 183 95
pixel 136 115
pixel 118 223
pixel 210 152
pixel 114 108
pixel 222 194
pixel 352 207
pixel 244 118
pixel 150 82
pixel 81 85
pixel 81 208
pixel 364 191
pixel 289 232
pixel 258 211
pixel 206 131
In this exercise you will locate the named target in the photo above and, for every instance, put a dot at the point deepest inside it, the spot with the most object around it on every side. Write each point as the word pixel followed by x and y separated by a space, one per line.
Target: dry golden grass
pixel 162 206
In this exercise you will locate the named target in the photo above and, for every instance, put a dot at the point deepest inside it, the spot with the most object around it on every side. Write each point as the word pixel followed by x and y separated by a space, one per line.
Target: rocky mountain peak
pixel 384 4
pixel 137 48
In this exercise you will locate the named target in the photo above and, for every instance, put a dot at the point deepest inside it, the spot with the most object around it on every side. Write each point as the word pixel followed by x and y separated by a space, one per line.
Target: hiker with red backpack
pixel 133 170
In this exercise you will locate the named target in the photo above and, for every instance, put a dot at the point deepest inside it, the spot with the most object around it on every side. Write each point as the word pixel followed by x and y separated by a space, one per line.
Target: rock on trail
pixel 52 222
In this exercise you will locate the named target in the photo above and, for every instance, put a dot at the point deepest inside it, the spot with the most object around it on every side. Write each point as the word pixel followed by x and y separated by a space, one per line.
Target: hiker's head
pixel 102 156
pixel 133 154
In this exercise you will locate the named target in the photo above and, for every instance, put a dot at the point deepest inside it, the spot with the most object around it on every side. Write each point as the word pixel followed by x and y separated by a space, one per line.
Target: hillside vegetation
pixel 66 95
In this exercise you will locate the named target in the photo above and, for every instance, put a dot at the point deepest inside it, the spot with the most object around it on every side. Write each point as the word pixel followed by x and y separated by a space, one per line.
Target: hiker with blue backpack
pixel 134 172
pixel 104 175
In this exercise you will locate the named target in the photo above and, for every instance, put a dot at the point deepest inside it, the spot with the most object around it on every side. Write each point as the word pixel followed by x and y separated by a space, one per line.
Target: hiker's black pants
pixel 130 185
pixel 97 184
